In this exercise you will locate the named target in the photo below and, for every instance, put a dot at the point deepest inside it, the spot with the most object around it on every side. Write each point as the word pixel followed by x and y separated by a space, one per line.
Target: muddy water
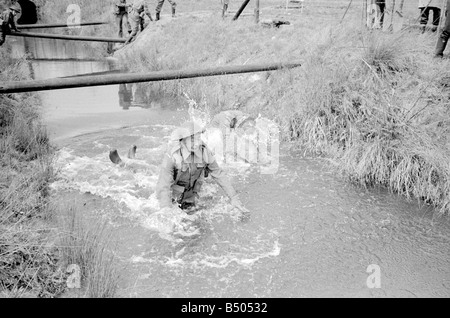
pixel 310 233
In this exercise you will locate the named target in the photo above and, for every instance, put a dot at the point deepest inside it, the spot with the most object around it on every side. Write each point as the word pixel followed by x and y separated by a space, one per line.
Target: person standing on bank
pixel 443 37
pixel 425 6
pixel 136 16
pixel 7 23
pixel 121 13
pixel 381 6
pixel 225 7
pixel 184 167
pixel 159 7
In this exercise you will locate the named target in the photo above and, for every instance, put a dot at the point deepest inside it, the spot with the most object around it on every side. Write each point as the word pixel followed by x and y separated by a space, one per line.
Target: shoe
pixel 132 152
pixel 114 156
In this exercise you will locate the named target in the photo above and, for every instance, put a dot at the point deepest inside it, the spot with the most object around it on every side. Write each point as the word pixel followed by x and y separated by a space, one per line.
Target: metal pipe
pixel 66 37
pixel 238 13
pixel 56 25
pixel 112 79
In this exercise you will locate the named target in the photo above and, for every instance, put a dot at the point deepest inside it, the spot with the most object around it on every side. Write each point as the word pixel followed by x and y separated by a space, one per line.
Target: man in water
pixel 184 168
pixel 7 22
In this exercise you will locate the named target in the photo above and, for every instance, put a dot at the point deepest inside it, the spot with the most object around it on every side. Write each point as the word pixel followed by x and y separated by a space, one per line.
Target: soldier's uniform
pixel 7 22
pixel 136 14
pixel 182 174
pixel 159 7
pixel 121 12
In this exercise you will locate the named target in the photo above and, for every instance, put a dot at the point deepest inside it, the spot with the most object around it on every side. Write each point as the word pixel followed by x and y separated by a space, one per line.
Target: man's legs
pixel 2 35
pixel 443 38
pixel 127 22
pixel 382 7
pixel 119 20
pixel 424 13
pixel 224 8
pixel 158 8
pixel 174 6
pixel 135 23
pixel 436 17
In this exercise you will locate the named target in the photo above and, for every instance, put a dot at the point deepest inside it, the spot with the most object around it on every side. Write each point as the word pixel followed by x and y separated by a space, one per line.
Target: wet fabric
pixel 182 174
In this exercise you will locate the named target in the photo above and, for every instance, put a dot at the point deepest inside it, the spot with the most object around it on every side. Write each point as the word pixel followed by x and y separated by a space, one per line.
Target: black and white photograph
pixel 224 154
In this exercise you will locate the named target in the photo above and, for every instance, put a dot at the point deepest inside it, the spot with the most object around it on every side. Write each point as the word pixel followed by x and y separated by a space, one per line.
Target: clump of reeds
pixel 36 243
pixel 89 246
pixel 367 112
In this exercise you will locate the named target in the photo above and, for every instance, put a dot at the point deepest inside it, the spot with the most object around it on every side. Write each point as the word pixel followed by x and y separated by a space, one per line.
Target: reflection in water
pixel 68 112
pixel 125 95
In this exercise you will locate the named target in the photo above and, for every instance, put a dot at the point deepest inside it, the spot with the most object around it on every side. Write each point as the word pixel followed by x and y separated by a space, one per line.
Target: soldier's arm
pixel 165 181
pixel 221 178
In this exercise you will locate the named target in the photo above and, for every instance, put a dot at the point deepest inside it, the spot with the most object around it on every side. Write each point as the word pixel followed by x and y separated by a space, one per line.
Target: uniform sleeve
pixel 220 177
pixel 165 181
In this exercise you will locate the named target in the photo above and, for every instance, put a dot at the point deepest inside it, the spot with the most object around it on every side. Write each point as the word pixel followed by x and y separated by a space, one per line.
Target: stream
pixel 310 234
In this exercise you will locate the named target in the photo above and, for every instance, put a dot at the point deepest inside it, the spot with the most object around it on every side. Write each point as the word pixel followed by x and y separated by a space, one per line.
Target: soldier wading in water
pixel 184 168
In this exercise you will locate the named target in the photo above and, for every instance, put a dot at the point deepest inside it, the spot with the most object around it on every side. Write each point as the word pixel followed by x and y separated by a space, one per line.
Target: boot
pixel 157 16
pixel 173 12
pixel 440 47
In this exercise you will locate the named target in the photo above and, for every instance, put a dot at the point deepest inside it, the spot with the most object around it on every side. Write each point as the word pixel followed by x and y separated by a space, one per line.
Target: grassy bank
pixel 40 238
pixel 376 104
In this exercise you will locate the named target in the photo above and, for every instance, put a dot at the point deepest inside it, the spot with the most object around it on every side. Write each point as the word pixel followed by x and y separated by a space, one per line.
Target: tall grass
pixel 90 247
pixel 36 240
pixel 374 103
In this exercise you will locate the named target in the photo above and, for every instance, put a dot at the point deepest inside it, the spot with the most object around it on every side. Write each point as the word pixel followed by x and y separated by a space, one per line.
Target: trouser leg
pixel 443 38
pixel 127 22
pixel 135 24
pixel 159 6
pixel 382 7
pixel 174 6
pixel 424 12
pixel 2 35
pixel 119 20
pixel 436 18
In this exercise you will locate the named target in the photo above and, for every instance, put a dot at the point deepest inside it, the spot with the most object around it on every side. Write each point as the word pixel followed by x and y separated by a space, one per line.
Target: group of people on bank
pixel 133 13
pixel 426 8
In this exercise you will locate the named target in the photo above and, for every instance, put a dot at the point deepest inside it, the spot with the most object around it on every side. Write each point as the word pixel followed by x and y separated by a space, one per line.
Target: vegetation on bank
pixel 375 103
pixel 40 238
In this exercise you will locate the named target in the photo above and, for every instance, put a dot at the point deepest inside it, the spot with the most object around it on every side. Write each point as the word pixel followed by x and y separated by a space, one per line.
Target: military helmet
pixel 188 129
